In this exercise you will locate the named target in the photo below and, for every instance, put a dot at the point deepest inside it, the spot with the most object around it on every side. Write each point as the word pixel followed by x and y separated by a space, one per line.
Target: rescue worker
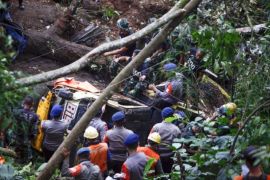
pixel 228 110
pixel 115 138
pixel 127 51
pixel 150 151
pixel 168 133
pixel 124 30
pixel 195 61
pixel 100 125
pixel 54 131
pixel 99 151
pixel 135 85
pixel 255 171
pixel 25 129
pixel 85 170
pixel 173 89
pixel 133 167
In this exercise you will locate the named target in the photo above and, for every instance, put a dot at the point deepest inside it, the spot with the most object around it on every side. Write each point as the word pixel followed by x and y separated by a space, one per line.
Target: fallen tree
pixel 52 42
pixel 112 87
pixel 83 61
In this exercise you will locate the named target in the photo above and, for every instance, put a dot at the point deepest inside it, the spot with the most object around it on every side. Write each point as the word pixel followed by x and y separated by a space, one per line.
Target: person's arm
pixel 122 58
pixel 125 171
pixel 117 51
pixel 106 139
pixel 35 126
pixel 103 131
pixel 158 168
pixel 65 168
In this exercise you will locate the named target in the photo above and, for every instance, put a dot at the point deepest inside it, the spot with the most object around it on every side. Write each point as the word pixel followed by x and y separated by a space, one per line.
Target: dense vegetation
pixel 243 65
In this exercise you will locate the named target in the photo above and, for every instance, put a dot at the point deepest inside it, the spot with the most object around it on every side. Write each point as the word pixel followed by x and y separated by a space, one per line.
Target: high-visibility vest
pixel 98 155
pixel 150 154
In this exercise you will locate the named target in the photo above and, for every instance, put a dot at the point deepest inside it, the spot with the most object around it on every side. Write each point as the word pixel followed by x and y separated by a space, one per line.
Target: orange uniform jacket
pixel 99 155
pixel 152 154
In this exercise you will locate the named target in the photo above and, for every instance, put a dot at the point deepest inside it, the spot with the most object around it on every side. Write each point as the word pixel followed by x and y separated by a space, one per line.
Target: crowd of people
pixel 100 150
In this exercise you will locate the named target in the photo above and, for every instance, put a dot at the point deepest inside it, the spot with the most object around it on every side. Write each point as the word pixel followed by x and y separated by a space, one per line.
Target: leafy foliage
pixel 8 99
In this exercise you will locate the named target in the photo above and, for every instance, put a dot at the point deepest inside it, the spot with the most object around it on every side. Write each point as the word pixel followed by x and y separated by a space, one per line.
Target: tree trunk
pixel 83 61
pixel 50 43
pixel 107 93
pixel 54 47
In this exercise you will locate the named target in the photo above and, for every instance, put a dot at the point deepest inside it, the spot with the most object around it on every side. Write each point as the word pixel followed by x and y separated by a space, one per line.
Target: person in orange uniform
pixel 85 170
pixel 255 170
pixel 99 151
pixel 149 150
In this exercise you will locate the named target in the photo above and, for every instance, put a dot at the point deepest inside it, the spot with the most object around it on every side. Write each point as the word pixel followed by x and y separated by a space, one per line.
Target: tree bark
pixel 8 152
pixel 52 42
pixel 256 29
pixel 107 93
pixel 83 61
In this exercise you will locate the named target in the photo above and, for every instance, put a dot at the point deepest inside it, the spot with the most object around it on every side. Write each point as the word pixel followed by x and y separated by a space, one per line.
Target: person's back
pixel 149 152
pixel 100 125
pixel 115 138
pixel 84 170
pixel 87 171
pixel 26 121
pixel 168 132
pixel 99 155
pixel 25 129
pixel 135 165
pixel 54 131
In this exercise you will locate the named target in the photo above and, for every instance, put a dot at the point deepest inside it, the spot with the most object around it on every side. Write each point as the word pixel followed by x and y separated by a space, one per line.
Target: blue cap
pixel 167 112
pixel 118 116
pixel 83 150
pixel 56 111
pixel 169 67
pixel 131 139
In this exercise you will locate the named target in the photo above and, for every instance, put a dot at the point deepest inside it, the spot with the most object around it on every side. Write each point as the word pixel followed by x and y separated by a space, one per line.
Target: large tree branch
pixel 256 29
pixel 83 61
pixel 107 93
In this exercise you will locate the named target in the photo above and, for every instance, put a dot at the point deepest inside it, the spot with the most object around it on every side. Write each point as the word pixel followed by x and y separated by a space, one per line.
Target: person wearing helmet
pixel 136 84
pixel 254 171
pixel 85 170
pixel 54 131
pixel 133 167
pixel 227 110
pixel 25 129
pixel 173 88
pixel 150 151
pixel 99 124
pixel 168 132
pixel 99 151
pixel 115 138
pixel 124 31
